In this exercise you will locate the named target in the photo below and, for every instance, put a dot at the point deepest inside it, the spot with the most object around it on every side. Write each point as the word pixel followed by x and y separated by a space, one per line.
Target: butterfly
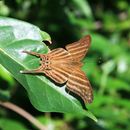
pixel 64 66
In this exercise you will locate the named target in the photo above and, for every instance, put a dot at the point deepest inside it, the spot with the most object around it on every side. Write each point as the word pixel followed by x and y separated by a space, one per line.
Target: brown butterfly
pixel 64 66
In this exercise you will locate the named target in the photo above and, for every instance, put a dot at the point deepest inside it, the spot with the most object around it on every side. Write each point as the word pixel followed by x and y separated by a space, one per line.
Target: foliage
pixel 23 36
pixel 106 64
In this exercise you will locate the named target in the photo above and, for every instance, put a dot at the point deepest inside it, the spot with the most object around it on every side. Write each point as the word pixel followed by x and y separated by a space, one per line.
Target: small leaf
pixel 84 7
pixel 108 67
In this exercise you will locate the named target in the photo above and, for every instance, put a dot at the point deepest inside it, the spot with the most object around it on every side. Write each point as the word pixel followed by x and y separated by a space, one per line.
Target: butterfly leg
pixel 32 53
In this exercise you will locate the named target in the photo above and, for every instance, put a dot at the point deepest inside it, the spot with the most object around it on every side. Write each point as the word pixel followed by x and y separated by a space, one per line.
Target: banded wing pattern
pixel 79 49
pixel 79 84
pixel 69 70
pixel 59 54
pixel 59 71
pixel 77 81
pixel 58 74
pixel 64 66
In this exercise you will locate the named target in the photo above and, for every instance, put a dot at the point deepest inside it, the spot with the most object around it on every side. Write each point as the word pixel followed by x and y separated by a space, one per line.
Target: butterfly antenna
pixel 34 71
pixel 31 53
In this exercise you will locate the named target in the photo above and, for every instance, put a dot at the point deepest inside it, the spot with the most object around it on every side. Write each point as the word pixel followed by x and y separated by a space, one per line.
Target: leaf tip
pixel 90 115
pixel 50 41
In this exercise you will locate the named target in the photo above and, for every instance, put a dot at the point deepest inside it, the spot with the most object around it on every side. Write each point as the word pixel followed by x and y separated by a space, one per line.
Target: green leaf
pixel 9 124
pixel 108 66
pixel 6 90
pixel 45 96
pixel 4 10
pixel 4 74
pixel 84 7
pixel 100 43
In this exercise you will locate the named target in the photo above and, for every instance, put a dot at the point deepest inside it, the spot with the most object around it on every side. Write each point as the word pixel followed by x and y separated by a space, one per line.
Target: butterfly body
pixel 64 66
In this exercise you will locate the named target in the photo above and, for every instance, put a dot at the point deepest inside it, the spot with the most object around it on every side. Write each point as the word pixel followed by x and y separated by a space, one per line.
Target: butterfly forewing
pixel 79 49
pixel 59 54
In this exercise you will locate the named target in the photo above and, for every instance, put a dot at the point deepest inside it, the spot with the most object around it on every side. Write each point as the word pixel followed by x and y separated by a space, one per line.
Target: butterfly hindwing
pixel 58 74
pixel 79 84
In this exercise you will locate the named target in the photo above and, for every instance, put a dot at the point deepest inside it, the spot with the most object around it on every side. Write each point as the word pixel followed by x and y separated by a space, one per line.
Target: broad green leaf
pixel 16 36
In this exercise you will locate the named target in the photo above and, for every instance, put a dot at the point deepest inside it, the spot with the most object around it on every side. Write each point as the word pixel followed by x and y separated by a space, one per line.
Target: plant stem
pixel 24 114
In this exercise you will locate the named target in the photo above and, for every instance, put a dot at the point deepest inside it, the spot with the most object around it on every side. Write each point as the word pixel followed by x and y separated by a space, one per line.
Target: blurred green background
pixel 107 64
